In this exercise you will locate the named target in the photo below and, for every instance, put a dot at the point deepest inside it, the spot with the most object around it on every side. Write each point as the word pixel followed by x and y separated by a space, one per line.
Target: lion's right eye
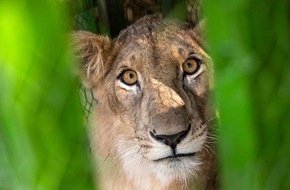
pixel 129 77
pixel 190 66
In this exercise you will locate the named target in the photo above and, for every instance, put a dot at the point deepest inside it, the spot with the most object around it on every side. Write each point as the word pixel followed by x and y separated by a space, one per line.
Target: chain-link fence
pixel 111 16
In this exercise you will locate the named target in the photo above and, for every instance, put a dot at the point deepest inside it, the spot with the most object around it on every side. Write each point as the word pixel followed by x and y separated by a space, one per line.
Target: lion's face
pixel 153 110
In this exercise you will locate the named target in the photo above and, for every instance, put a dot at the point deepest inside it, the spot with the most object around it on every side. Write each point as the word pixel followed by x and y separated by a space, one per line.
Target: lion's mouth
pixel 175 157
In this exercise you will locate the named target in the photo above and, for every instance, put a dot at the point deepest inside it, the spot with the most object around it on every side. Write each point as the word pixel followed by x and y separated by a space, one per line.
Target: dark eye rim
pixel 197 60
pixel 122 80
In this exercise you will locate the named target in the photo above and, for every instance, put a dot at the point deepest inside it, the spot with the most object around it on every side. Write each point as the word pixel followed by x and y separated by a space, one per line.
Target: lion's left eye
pixel 191 66
pixel 129 77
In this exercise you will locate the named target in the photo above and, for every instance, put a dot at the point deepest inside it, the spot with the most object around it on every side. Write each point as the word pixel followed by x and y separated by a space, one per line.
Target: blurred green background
pixel 43 142
pixel 250 45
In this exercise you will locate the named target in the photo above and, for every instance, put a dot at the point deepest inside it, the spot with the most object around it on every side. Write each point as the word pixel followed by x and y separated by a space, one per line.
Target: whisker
pixel 107 156
pixel 210 148
pixel 206 149
pixel 211 139
pixel 211 119
pixel 139 149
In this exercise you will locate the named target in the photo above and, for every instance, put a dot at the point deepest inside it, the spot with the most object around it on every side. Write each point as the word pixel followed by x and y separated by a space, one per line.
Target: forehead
pixel 151 45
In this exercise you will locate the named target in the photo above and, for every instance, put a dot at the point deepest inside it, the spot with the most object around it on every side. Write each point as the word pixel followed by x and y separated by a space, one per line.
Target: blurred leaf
pixel 42 141
pixel 250 46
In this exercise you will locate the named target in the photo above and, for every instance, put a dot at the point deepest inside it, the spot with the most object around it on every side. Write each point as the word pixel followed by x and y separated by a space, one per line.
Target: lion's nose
pixel 171 140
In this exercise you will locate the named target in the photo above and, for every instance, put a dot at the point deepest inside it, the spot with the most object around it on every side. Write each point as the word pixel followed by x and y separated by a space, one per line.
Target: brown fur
pixel 165 101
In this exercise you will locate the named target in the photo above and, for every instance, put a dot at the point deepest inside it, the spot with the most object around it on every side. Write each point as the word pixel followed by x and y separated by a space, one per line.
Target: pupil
pixel 131 75
pixel 189 65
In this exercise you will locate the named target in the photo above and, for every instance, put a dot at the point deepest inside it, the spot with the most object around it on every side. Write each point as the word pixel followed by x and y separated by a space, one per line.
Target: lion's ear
pixel 91 52
pixel 199 28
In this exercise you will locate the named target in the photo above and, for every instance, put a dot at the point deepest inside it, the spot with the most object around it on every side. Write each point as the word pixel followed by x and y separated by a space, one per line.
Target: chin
pixel 163 171
pixel 176 169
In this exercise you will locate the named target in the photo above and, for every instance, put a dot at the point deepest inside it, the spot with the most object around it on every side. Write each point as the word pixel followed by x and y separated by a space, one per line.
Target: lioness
pixel 150 128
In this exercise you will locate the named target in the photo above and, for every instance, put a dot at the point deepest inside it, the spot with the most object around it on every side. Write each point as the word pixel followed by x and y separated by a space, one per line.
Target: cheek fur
pixel 128 96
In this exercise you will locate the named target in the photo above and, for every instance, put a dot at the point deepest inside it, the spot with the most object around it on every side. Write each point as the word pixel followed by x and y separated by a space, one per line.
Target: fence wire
pixel 109 17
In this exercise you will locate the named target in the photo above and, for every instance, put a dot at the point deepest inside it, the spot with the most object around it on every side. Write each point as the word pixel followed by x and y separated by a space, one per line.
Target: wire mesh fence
pixel 91 15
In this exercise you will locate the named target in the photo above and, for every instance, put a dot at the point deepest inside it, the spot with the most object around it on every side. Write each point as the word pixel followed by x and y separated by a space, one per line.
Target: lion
pixel 151 126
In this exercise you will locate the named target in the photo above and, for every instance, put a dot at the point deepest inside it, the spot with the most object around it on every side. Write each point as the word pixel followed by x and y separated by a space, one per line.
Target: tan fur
pixel 164 102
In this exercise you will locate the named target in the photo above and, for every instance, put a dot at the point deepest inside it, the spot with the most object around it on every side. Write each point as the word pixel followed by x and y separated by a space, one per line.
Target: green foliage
pixel 42 141
pixel 249 42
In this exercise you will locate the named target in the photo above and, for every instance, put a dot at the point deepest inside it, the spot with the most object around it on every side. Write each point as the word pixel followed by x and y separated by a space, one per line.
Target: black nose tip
pixel 171 140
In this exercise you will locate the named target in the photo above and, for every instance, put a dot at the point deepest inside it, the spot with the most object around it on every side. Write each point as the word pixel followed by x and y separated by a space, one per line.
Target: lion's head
pixel 152 84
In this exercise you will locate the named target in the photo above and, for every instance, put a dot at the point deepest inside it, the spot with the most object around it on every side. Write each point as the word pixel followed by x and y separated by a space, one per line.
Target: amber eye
pixel 129 77
pixel 190 66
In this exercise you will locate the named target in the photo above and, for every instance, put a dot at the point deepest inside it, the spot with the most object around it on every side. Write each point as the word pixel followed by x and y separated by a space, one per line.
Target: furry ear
pixel 91 52
pixel 199 29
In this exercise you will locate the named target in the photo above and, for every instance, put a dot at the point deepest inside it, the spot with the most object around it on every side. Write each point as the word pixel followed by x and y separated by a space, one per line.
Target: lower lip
pixel 176 157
